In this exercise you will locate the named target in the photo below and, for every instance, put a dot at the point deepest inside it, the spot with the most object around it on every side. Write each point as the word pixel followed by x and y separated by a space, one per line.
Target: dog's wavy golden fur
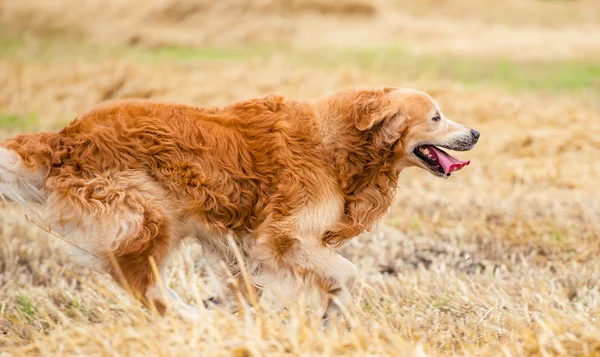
pixel 127 181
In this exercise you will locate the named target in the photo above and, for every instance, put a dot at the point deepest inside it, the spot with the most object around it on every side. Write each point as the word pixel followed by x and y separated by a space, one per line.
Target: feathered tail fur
pixel 24 165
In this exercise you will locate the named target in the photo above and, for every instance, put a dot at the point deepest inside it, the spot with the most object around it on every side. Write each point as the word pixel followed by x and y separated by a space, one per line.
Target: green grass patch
pixel 172 53
pixel 541 76
pixel 10 121
pixel 396 63
pixel 558 237
pixel 11 46
pixel 52 49
pixel 25 305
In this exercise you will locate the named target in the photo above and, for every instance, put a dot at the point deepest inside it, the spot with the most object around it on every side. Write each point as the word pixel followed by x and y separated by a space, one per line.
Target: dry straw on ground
pixel 499 260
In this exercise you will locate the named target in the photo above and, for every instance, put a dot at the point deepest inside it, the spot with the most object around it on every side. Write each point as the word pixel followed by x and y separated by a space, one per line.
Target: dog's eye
pixel 436 118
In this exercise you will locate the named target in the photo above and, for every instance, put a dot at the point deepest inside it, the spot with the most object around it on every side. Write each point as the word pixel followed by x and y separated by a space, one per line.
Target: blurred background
pixel 500 257
pixel 72 54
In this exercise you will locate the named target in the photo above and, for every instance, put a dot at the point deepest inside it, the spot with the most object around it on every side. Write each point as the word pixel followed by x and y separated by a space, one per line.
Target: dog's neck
pixel 367 169
pixel 358 161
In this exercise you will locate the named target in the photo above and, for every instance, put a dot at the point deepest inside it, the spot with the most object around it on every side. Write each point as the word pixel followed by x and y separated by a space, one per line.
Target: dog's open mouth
pixel 438 160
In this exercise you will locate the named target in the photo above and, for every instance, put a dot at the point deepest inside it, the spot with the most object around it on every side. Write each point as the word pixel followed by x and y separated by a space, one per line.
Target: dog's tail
pixel 24 166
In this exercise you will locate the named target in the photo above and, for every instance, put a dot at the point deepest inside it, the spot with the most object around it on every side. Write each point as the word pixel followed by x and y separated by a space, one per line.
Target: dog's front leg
pixel 317 264
pixel 341 280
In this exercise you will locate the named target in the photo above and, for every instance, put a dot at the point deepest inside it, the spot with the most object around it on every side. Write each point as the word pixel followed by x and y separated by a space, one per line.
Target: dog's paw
pixel 337 319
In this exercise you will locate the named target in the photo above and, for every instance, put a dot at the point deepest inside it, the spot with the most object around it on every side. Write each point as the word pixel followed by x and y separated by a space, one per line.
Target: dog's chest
pixel 316 218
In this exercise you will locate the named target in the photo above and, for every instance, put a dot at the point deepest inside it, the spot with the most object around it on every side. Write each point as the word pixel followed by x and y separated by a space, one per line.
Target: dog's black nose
pixel 475 133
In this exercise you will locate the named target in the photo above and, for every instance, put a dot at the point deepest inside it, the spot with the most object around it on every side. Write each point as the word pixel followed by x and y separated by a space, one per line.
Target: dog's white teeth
pixel 425 151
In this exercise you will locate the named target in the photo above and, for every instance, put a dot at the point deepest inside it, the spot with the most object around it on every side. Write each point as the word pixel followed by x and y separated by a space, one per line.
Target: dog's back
pixel 202 157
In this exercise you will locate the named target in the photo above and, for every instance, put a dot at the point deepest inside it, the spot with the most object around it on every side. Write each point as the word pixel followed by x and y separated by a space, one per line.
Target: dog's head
pixel 414 122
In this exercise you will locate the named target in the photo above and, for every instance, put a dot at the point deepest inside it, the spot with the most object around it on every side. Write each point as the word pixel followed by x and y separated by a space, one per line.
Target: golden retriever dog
pixel 267 186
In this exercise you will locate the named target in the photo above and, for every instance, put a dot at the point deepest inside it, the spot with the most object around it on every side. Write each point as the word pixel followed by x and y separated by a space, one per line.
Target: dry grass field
pixel 501 259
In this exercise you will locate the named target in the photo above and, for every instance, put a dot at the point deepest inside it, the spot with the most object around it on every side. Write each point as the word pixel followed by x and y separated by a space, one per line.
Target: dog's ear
pixel 375 107
pixel 369 108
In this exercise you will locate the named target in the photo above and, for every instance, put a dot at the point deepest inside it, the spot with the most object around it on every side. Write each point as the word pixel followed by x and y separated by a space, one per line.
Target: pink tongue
pixel 448 162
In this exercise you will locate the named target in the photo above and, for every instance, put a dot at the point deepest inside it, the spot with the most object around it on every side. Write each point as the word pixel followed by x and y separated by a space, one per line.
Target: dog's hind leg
pixel 125 222
pixel 143 273
pixel 158 295
pixel 140 268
